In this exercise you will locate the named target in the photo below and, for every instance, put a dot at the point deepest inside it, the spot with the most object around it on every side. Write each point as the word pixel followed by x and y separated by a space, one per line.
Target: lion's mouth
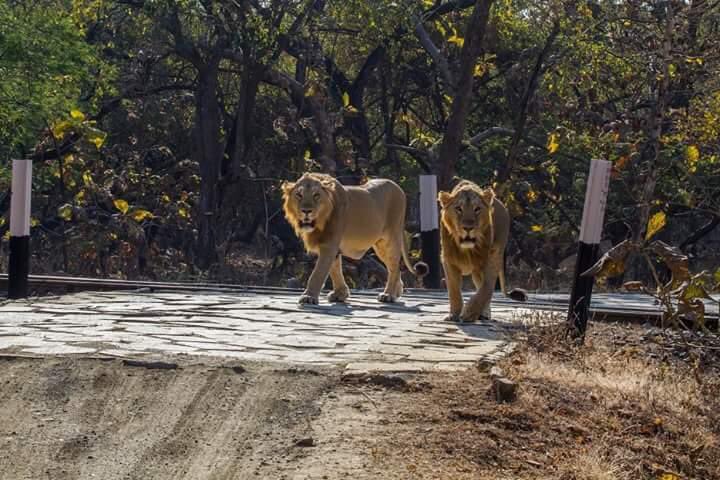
pixel 307 225
pixel 467 242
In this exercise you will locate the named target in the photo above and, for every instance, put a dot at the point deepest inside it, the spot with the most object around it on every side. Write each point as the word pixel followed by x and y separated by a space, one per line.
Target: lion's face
pixel 467 213
pixel 309 202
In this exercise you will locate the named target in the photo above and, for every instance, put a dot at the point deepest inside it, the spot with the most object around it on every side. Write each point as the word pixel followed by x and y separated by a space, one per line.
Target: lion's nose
pixel 306 211
pixel 468 226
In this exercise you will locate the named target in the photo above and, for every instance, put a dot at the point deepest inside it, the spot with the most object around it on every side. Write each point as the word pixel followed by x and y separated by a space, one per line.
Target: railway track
pixel 607 306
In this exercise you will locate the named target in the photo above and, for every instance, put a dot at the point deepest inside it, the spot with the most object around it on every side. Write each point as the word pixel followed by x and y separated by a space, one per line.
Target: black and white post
pixel 429 229
pixel 19 264
pixel 588 244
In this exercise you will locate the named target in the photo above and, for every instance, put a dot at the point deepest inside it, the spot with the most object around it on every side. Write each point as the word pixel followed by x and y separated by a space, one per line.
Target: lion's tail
pixel 420 269
pixel 517 294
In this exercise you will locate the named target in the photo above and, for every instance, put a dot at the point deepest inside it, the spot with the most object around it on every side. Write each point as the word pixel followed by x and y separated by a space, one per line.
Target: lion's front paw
pixel 452 317
pixel 468 316
pixel 308 300
pixel 338 296
pixel 386 298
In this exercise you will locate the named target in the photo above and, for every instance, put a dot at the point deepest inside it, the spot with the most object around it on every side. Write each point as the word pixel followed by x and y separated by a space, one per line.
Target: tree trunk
pixel 450 147
pixel 209 155
pixel 243 131
pixel 650 153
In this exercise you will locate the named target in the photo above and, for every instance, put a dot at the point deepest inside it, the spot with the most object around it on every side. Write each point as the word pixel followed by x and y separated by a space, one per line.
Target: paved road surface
pixel 362 335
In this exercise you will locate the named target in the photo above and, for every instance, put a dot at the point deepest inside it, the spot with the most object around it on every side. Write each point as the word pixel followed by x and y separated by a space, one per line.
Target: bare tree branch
pixel 437 56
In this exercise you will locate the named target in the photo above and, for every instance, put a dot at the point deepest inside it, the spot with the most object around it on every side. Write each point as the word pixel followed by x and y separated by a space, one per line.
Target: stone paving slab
pixel 361 335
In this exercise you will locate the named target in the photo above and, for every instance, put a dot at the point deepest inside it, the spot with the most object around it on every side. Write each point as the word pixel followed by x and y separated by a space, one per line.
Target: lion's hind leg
pixel 390 255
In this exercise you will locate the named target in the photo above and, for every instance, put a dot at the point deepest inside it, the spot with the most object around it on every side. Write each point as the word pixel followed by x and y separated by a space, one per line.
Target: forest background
pixel 160 130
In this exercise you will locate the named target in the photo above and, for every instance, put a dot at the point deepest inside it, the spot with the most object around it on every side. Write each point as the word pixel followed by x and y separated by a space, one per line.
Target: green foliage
pixel 46 68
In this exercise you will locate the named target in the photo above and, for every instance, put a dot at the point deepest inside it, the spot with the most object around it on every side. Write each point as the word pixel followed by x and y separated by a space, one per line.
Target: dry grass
pixel 607 410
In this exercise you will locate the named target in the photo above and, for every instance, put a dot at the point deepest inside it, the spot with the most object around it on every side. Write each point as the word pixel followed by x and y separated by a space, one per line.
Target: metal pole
pixel 588 244
pixel 429 230
pixel 19 264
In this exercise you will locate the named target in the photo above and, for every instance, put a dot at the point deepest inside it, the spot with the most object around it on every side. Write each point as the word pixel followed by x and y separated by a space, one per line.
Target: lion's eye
pixel 316 196
pixel 478 209
pixel 459 209
pixel 298 194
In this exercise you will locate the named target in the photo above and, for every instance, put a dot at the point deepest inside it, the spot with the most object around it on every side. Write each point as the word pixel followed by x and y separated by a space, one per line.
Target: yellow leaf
pixel 531 195
pixel 80 196
pixel 59 129
pixel 113 236
pixel 139 215
pixel 182 212
pixel 669 476
pixel 346 99
pixel 440 28
pixel 692 155
pixel 310 91
pixel 459 41
pixel 447 98
pixel 34 222
pixel 165 198
pixel 7 235
pixel 2 222
pixel 553 144
pixel 307 155
pixel 77 115
pixel 656 223
pixel 121 205
pixel 65 212
pixel 479 70
pixel 97 140
pixel 87 178
pixel 536 228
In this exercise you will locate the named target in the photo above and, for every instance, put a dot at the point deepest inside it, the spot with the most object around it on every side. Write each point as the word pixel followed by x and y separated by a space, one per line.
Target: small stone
pixel 305 442
pixel 505 389
pixel 496 372
pixel 294 283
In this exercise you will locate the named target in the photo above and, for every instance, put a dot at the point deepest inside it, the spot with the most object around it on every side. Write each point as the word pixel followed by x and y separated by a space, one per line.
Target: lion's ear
pixel 328 184
pixel 488 195
pixel 444 198
pixel 287 187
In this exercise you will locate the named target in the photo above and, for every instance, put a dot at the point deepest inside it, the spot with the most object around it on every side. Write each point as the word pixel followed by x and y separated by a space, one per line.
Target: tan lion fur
pixel 334 220
pixel 474 230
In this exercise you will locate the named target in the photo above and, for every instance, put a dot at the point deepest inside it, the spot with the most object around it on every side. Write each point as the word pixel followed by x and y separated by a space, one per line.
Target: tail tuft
pixel 518 294
pixel 421 269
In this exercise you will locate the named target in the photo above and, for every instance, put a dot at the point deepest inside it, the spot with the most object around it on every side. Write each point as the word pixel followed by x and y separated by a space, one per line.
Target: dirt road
pixel 70 419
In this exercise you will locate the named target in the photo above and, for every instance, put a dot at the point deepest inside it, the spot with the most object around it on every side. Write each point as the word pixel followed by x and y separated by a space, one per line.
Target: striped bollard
pixel 588 244
pixel 19 264
pixel 429 230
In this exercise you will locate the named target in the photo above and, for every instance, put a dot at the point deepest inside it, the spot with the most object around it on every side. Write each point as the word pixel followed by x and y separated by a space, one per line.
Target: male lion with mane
pixel 335 220
pixel 474 231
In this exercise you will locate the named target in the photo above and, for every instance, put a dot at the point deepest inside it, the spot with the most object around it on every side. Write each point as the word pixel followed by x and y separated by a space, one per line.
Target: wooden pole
pixel 19 263
pixel 588 245
pixel 429 230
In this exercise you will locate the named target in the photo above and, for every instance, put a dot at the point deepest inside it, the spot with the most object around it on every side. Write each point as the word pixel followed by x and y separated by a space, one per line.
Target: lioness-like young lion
pixel 335 220
pixel 474 231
